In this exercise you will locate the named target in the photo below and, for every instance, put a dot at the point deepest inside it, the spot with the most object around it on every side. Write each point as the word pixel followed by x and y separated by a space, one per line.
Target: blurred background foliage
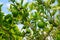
pixel 40 19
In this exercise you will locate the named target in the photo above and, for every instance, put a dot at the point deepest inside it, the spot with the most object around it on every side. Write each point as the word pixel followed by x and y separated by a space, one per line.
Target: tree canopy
pixel 40 19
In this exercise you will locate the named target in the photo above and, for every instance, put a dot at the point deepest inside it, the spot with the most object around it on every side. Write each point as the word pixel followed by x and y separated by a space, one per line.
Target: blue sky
pixel 5 6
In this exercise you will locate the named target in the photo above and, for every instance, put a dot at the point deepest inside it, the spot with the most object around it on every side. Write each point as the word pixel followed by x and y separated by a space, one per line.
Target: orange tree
pixel 40 19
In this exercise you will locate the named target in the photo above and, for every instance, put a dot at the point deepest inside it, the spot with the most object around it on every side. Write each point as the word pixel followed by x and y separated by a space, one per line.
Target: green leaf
pixel 21 2
pixel 52 1
pixel 1 6
pixel 58 2
pixel 12 1
pixel 27 31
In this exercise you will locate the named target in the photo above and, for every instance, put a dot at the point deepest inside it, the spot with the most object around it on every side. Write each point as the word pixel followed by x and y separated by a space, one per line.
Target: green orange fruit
pixel 41 24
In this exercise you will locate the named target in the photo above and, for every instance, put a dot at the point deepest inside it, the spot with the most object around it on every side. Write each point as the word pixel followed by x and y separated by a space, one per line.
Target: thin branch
pixel 48 33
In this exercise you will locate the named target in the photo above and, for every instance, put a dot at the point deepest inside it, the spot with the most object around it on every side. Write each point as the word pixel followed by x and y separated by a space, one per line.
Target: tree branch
pixel 48 33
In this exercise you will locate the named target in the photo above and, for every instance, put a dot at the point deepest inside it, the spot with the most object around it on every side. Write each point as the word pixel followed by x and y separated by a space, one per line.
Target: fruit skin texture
pixel 41 24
